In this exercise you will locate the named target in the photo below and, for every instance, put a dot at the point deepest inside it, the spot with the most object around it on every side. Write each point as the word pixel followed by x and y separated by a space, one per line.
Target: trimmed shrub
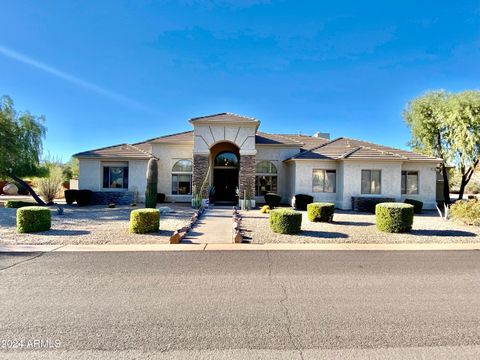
pixel 70 196
pixel 84 197
pixel 394 217
pixel 144 221
pixel 18 204
pixel 33 219
pixel 160 198
pixel 152 179
pixel 322 212
pixel 367 204
pixel 285 221
pixel 300 201
pixel 466 211
pixel 272 199
pixel 417 205
pixel 265 209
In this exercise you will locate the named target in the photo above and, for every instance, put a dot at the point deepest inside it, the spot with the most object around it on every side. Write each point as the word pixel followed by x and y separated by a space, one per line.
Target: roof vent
pixel 318 134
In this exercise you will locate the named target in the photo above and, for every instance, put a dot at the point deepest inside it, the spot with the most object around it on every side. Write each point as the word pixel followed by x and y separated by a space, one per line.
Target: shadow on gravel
pixel 56 232
pixel 323 234
pixel 353 223
pixel 444 233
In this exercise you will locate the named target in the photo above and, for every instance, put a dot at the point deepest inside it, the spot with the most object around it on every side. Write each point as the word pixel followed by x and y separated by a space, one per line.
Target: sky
pixel 110 72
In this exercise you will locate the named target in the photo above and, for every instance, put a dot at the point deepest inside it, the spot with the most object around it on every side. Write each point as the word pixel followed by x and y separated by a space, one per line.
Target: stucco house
pixel 233 155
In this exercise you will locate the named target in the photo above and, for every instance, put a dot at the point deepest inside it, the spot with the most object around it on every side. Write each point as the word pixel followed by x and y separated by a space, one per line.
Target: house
pixel 229 152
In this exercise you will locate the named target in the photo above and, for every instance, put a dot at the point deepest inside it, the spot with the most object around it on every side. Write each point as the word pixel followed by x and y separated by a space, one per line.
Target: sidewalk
pixel 215 227
pixel 241 247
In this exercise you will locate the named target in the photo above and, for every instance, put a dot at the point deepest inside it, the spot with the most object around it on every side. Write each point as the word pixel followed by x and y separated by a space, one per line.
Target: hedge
pixel 466 211
pixel 417 205
pixel 70 196
pixel 144 221
pixel 84 197
pixel 300 201
pixel 322 212
pixel 16 204
pixel 394 217
pixel 160 198
pixel 272 200
pixel 285 221
pixel 33 219
pixel 367 204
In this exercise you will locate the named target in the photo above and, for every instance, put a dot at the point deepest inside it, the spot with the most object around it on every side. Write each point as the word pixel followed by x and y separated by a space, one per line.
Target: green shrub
pixel 394 217
pixel 285 221
pixel 367 203
pixel 152 179
pixel 144 221
pixel 33 219
pixel 272 200
pixel 18 204
pixel 300 201
pixel 70 196
pixel 84 197
pixel 160 198
pixel 466 211
pixel 265 209
pixel 112 205
pixel 322 212
pixel 417 205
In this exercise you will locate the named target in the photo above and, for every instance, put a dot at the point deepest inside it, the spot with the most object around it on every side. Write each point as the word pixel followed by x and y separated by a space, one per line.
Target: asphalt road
pixel 241 305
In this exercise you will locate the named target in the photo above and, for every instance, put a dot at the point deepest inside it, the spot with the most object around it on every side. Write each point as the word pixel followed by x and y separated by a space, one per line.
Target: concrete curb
pixel 236 247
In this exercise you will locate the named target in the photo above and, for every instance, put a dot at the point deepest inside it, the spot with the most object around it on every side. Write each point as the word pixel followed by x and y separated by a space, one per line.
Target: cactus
pixel 152 178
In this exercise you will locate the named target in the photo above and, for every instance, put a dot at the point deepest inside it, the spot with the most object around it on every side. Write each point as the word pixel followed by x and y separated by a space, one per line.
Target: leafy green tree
pixel 21 135
pixel 71 169
pixel 447 126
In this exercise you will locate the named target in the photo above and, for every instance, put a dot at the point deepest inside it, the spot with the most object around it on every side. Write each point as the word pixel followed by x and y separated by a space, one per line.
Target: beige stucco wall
pixel 304 179
pixel 168 155
pixel 427 183
pixel 89 177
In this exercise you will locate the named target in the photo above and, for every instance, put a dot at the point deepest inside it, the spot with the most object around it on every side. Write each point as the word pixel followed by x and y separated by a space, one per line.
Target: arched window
pixel 182 177
pixel 266 178
pixel 226 159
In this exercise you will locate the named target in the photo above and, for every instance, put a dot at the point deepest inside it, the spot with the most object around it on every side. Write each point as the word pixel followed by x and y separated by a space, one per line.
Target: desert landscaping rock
pixel 352 227
pixel 94 225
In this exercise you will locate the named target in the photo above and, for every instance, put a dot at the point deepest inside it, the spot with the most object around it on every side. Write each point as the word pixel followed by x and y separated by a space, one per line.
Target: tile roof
pixel 185 136
pixel 222 117
pixel 123 151
pixel 345 148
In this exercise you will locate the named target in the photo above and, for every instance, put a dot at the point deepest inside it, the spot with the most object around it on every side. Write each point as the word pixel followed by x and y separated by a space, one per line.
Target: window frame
pixel 125 176
pixel 371 183
pixel 273 175
pixel 404 189
pixel 325 171
pixel 177 174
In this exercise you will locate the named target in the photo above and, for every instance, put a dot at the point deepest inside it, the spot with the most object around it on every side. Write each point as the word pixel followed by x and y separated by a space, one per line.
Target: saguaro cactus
pixel 152 179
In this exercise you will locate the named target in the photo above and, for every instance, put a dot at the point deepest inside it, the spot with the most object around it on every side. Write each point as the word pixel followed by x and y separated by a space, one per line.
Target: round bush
pixel 300 201
pixel 144 221
pixel 265 209
pixel 84 197
pixel 322 212
pixel 33 219
pixel 417 205
pixel 285 221
pixel 272 200
pixel 394 217
pixel 70 196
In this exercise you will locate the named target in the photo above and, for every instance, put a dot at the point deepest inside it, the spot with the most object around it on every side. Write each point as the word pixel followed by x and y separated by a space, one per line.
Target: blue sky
pixel 108 72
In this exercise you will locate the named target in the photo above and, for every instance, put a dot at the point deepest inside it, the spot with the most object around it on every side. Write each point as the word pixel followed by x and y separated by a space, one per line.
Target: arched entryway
pixel 226 163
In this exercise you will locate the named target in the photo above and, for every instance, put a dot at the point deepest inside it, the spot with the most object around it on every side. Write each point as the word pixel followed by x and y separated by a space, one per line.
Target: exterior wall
pixel 168 155
pixel 200 170
pixel 90 175
pixel 205 136
pixel 137 179
pixel 276 155
pixel 246 175
pixel 290 169
pixel 427 183
pixel 304 180
pixel 352 174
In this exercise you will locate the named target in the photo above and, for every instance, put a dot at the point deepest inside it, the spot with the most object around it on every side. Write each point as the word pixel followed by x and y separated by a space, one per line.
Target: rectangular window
pixel 265 184
pixel 324 180
pixel 115 177
pixel 181 184
pixel 371 181
pixel 409 182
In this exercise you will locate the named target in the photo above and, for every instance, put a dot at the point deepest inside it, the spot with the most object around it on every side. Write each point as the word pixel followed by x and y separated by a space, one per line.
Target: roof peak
pixel 224 114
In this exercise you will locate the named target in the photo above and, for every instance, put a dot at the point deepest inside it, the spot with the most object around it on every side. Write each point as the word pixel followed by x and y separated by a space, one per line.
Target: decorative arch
pixel 184 165
pixel 226 159
pixel 266 167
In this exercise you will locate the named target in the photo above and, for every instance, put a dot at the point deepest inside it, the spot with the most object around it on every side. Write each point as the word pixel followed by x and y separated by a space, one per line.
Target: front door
pixel 226 183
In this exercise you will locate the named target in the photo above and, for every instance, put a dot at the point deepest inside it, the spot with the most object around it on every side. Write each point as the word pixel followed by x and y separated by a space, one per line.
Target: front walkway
pixel 214 227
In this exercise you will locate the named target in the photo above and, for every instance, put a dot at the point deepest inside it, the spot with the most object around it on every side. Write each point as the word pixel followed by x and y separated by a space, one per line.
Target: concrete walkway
pixel 214 227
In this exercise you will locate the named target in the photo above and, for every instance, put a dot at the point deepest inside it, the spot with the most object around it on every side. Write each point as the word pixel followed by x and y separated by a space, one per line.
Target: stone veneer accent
pixel 200 168
pixel 246 175
pixel 115 197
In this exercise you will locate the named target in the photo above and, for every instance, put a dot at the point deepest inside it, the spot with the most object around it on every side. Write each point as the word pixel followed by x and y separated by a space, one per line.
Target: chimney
pixel 318 134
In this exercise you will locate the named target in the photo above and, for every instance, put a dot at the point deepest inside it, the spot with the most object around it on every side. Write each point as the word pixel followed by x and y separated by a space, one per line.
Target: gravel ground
pixel 351 227
pixel 93 225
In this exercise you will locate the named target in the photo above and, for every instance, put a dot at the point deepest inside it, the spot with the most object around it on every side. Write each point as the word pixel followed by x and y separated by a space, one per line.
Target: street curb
pixel 236 247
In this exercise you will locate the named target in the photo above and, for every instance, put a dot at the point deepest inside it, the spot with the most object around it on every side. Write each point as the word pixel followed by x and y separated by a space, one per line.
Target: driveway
pixel 250 304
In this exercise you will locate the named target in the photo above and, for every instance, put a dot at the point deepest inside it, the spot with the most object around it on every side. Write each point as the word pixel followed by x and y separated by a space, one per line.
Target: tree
pixel 71 169
pixel 21 136
pixel 447 126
